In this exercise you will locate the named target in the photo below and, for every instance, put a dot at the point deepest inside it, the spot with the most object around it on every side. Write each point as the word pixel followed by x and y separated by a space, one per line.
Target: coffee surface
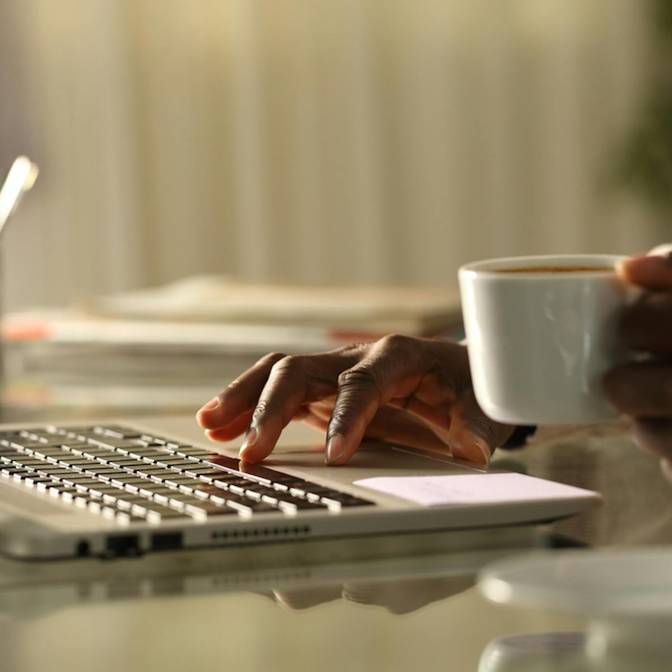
pixel 555 269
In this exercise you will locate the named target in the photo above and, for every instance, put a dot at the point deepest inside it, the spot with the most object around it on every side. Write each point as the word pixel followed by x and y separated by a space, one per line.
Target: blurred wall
pixel 315 141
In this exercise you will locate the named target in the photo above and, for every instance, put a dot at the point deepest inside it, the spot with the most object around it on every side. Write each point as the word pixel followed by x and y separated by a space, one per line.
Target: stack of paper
pixel 335 310
pixel 205 330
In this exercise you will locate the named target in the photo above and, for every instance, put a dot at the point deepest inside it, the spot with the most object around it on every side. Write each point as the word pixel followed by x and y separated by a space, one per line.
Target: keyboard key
pixel 209 509
pixel 35 481
pixel 243 507
pixel 204 473
pixel 187 451
pixel 140 509
pixel 177 481
pixel 110 498
pixel 157 513
pixel 355 501
pixel 112 444
pixel 294 504
pixel 126 503
pixel 117 432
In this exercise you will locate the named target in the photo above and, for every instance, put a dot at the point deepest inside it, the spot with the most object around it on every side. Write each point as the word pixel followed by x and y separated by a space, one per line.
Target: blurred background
pixel 326 141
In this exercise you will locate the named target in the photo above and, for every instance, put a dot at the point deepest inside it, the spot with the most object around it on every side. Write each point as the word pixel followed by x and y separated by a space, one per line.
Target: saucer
pixel 629 582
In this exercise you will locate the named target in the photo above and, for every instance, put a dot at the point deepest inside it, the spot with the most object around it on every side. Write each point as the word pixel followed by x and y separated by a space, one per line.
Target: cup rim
pixel 491 267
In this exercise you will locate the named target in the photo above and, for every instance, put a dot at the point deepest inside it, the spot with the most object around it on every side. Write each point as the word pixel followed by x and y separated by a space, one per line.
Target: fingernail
pixel 249 441
pixel 471 449
pixel 620 266
pixel 485 451
pixel 211 405
pixel 335 449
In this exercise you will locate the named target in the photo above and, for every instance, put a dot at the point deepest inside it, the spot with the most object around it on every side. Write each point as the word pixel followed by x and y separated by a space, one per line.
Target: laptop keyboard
pixel 129 476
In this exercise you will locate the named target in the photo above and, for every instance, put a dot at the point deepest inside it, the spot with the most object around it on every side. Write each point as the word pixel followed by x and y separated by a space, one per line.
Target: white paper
pixel 473 489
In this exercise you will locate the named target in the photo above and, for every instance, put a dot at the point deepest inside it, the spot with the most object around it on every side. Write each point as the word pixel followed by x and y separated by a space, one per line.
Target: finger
pixel 647 324
pixel 390 424
pixel 641 390
pixel 239 396
pixel 292 383
pixel 402 428
pixel 436 415
pixel 650 272
pixel 358 400
pixel 280 400
pixel 654 435
pixel 473 436
pixel 436 392
pixel 392 368
pixel 232 430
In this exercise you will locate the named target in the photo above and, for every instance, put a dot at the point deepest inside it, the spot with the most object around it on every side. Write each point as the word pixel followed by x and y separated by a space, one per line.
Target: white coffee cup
pixel 541 332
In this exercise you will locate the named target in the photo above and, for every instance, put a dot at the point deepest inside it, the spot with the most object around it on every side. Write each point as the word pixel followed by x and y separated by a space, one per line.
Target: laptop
pixel 123 488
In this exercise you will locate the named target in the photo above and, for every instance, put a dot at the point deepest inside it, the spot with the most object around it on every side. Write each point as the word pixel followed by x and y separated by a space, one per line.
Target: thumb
pixel 652 271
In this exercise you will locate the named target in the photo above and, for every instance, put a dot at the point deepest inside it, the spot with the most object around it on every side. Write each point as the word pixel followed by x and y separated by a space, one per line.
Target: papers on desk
pixel 211 313
pixel 474 489
pixel 202 331
pixel 338 311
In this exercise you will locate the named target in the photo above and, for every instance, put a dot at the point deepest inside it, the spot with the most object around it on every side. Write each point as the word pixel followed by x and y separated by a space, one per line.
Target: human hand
pixel 642 390
pixel 412 391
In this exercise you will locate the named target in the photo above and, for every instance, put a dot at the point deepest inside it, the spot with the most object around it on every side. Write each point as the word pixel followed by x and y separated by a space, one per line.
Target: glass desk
pixel 390 603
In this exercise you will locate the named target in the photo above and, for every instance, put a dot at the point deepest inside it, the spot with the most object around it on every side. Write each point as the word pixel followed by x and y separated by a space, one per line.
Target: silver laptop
pixel 110 489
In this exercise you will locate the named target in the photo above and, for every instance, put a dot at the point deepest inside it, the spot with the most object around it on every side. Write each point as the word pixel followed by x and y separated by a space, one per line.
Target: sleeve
pixel 519 437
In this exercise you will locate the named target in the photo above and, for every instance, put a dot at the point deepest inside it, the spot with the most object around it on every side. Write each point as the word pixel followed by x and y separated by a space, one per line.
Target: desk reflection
pixel 399 602
pixel 399 583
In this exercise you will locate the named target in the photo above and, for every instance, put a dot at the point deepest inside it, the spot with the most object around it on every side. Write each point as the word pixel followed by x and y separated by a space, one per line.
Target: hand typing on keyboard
pixel 410 391
pixel 128 476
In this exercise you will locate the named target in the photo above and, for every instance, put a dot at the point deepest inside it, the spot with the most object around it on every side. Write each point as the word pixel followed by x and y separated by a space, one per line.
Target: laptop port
pixel 166 541
pixel 83 549
pixel 122 546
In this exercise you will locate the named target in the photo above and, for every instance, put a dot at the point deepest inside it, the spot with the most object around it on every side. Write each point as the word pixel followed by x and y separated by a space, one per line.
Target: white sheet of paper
pixel 470 489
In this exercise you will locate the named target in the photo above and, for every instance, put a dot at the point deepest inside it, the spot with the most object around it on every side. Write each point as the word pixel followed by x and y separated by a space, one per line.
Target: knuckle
pixel 396 342
pixel 357 348
pixel 231 386
pixel 358 378
pixel 270 359
pixel 339 415
pixel 288 364
pixel 342 419
pixel 260 410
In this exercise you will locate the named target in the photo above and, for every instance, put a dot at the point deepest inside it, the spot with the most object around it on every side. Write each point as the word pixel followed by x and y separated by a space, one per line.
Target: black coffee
pixel 556 269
